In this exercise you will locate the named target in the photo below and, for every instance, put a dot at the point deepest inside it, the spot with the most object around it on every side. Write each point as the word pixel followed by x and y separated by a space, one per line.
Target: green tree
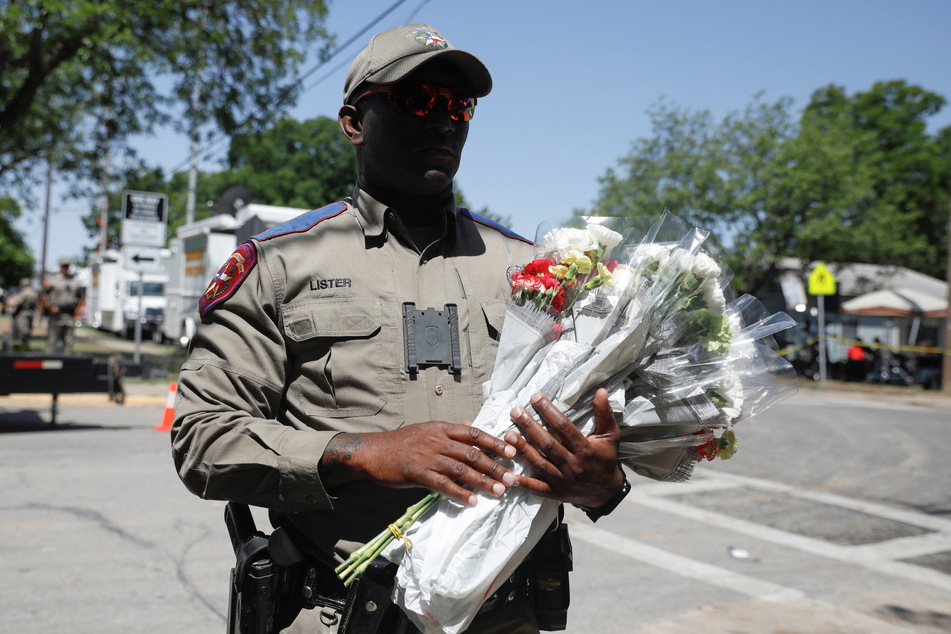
pixel 291 163
pixel 829 185
pixel 15 259
pixel 141 177
pixel 297 164
pixel 910 167
pixel 78 75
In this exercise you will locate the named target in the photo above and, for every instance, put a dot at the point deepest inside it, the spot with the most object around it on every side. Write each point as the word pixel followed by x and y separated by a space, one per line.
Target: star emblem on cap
pixel 430 37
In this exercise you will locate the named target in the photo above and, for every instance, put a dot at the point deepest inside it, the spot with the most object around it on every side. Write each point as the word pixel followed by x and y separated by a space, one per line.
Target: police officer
pixel 23 303
pixel 63 298
pixel 301 393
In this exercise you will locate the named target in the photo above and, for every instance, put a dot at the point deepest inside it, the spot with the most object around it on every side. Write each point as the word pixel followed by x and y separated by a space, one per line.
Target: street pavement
pixel 835 516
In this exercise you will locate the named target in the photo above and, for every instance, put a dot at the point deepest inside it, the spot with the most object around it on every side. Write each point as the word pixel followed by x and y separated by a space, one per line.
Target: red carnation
pixel 538 267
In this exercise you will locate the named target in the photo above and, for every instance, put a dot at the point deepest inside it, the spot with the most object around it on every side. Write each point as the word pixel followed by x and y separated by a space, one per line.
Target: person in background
pixel 23 305
pixel 857 365
pixel 63 299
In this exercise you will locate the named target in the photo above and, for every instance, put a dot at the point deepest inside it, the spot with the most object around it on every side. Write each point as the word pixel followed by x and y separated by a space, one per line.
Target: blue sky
pixel 573 82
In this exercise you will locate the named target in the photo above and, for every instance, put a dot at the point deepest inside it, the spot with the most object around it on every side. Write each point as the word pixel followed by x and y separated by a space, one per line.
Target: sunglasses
pixel 420 99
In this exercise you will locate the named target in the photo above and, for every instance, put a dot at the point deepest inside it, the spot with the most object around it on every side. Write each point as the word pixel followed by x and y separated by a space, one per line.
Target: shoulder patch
pixel 303 222
pixel 229 277
pixel 486 222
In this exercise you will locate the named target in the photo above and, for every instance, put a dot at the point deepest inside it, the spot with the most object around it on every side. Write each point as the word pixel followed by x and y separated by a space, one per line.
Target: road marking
pixel 869 508
pixel 714 575
pixel 867 556
pixel 751 587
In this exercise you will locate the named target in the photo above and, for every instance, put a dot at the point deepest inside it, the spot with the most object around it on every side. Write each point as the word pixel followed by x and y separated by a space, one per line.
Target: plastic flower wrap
pixel 644 314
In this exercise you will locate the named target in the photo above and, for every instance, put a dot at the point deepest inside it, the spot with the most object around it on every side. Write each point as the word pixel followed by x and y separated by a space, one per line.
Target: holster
pixel 268 579
pixel 272 582
pixel 548 566
pixel 370 608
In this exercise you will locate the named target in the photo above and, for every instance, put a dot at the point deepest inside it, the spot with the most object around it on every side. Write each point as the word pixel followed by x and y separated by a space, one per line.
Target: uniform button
pixel 439 390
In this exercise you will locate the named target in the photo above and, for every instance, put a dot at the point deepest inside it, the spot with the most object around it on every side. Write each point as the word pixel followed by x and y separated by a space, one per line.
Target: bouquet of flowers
pixel 643 313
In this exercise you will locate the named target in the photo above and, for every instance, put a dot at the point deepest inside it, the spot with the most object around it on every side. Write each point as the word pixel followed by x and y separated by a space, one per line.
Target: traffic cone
pixel 169 409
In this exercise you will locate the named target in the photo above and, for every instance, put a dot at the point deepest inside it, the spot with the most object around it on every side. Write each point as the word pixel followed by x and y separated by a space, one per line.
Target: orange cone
pixel 169 409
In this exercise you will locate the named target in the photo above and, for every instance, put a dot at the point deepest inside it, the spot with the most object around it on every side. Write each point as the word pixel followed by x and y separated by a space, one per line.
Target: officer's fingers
pixel 559 424
pixel 605 424
pixel 539 438
pixel 440 483
pixel 535 462
pixel 457 479
pixel 475 437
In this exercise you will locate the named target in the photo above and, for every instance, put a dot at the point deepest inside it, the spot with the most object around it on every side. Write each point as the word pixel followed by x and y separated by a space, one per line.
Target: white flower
pixel 647 253
pixel 602 235
pixel 681 259
pixel 732 393
pixel 624 276
pixel 558 242
pixel 713 296
pixel 704 266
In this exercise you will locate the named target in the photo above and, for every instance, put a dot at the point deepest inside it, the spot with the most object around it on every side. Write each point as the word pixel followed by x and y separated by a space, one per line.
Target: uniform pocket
pixel 484 339
pixel 336 355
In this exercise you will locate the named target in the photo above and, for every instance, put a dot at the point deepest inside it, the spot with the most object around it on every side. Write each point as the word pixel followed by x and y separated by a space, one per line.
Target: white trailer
pixel 199 249
pixel 113 296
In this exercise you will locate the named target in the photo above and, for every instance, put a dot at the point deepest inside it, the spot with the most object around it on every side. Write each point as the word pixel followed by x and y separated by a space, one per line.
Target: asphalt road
pixel 835 516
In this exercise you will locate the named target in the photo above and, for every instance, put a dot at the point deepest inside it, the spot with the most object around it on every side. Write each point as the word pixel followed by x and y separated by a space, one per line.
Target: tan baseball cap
pixel 392 55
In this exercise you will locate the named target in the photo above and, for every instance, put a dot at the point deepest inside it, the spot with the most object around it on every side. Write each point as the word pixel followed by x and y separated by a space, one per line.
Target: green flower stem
pixel 358 561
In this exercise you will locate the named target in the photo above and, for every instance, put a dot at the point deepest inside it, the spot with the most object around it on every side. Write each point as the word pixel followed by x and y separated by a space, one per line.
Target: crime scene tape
pixel 865 344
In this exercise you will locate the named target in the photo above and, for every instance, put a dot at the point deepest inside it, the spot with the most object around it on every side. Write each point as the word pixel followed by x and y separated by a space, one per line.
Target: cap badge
pixel 430 37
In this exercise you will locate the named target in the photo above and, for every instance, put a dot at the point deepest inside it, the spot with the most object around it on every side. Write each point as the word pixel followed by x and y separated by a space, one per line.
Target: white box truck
pixel 112 296
pixel 199 249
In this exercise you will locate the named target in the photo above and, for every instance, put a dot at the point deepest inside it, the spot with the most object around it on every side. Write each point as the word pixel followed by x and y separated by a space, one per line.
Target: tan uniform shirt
pixel 311 344
pixel 64 292
pixel 24 301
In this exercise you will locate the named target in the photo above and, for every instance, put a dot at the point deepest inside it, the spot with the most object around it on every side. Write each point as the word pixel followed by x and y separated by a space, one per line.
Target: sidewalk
pixel 879 393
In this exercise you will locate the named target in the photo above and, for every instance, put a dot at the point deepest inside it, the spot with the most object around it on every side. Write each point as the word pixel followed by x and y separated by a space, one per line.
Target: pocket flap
pixel 343 317
pixel 494 312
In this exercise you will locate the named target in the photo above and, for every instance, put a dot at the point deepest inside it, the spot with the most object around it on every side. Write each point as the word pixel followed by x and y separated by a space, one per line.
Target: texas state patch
pixel 229 278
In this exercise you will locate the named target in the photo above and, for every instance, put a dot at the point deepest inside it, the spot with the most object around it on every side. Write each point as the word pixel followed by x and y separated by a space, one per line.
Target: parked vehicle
pixel 199 249
pixel 114 302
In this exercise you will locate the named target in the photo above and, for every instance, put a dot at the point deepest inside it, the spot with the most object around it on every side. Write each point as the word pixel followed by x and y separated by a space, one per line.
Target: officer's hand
pixel 565 465
pixel 439 456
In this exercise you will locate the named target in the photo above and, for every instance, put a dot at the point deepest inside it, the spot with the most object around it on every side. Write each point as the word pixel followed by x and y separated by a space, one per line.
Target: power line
pixel 310 71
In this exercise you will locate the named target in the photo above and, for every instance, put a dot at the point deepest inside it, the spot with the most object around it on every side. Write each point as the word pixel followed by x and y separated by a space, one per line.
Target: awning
pixel 896 302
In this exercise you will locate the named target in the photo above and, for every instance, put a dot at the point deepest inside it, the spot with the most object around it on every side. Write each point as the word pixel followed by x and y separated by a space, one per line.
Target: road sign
pixel 144 218
pixel 142 259
pixel 821 281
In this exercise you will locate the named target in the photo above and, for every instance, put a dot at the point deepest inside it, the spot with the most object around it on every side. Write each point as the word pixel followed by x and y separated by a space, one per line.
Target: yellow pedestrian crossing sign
pixel 821 281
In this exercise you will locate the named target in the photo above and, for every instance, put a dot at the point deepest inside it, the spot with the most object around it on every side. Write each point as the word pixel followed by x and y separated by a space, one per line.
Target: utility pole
pixel 193 168
pixel 46 220
pixel 946 365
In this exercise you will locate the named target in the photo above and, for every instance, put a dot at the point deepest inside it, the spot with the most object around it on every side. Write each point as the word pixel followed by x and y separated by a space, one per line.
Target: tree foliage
pixel 851 179
pixel 78 75
pixel 290 163
pixel 293 163
pixel 15 259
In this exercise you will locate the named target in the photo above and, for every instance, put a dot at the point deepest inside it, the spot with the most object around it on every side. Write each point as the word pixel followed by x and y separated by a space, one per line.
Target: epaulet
pixel 304 222
pixel 486 222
